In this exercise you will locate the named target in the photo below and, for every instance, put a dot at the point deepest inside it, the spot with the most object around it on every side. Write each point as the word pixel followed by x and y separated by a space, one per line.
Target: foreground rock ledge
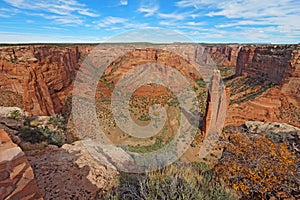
pixel 16 175
pixel 70 172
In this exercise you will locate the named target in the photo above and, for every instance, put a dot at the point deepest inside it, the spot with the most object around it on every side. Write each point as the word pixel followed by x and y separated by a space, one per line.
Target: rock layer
pixel 16 176
pixel 71 172
pixel 40 77
pixel 277 63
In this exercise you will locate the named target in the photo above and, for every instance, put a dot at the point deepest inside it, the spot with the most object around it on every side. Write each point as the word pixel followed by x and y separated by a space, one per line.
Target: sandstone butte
pixel 41 77
pixel 16 175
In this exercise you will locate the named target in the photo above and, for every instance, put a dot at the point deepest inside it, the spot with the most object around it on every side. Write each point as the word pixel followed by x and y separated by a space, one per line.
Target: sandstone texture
pixel 70 172
pixel 40 75
pixel 275 68
pixel 277 63
pixel 17 179
pixel 217 103
pixel 39 78
pixel 224 55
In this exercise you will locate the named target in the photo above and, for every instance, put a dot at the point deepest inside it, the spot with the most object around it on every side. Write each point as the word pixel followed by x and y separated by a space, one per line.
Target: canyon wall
pixel 276 68
pixel 224 55
pixel 39 78
pixel 40 75
pixel 16 175
pixel 277 63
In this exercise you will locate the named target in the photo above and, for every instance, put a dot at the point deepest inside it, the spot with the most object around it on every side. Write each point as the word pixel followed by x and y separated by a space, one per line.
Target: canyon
pixel 264 87
pixel 39 78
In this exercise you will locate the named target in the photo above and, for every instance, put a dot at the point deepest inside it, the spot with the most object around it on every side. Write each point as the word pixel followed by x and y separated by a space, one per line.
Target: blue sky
pixel 241 21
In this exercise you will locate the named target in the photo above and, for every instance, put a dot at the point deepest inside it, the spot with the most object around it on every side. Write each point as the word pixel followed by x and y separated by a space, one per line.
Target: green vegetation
pixel 249 88
pixel 58 122
pixel 15 114
pixel 173 182
pixel 144 117
pixel 200 82
pixel 227 71
pixel 37 135
pixel 203 167
pixel 159 143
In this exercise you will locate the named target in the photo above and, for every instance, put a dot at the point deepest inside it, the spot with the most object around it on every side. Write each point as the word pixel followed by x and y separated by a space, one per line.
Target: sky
pixel 209 21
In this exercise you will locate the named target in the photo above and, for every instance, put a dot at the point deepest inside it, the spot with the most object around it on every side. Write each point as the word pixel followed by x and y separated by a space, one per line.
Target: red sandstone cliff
pixel 224 55
pixel 41 75
pixel 16 175
pixel 279 64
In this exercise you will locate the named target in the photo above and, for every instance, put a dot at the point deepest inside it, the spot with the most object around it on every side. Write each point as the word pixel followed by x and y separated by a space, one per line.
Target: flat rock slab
pixel 70 172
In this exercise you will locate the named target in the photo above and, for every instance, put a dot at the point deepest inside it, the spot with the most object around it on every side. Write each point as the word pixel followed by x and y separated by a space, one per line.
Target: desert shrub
pixel 256 166
pixel 173 182
pixel 58 122
pixel 159 143
pixel 37 135
pixel 15 114
pixel 203 167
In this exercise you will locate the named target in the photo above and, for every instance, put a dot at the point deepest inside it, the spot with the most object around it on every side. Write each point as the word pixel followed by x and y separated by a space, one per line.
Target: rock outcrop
pixel 70 172
pixel 16 175
pixel 41 75
pixel 39 78
pixel 280 100
pixel 217 102
pixel 277 132
pixel 277 63
pixel 224 55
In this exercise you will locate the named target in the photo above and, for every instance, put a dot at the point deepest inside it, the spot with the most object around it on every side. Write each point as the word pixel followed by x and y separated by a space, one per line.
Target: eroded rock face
pixel 16 176
pixel 217 102
pixel 41 75
pixel 277 63
pixel 224 55
pixel 70 172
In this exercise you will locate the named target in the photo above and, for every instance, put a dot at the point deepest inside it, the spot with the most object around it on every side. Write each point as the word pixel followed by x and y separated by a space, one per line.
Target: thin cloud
pixel 148 10
pixel 195 23
pixel 88 13
pixel 111 21
pixel 124 2
pixel 188 3
pixel 8 12
pixel 243 23
pixel 64 10
pixel 53 28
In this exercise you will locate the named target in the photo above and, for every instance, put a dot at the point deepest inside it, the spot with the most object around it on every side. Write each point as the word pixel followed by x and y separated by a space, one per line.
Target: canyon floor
pixel 256 155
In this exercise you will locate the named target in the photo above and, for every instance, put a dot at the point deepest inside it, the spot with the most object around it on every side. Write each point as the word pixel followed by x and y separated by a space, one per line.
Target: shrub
pixel 37 135
pixel 173 182
pixel 15 114
pixel 203 167
pixel 256 165
pixel 58 122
